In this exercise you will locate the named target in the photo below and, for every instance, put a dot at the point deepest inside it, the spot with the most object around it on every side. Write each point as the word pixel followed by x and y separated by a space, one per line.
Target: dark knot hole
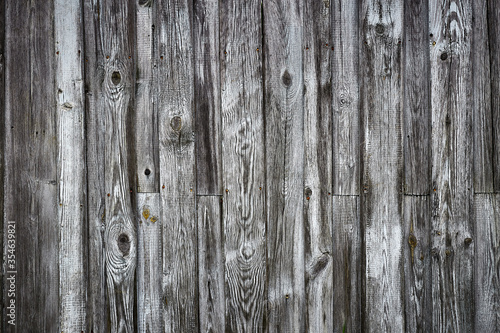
pixel 116 78
pixel 124 244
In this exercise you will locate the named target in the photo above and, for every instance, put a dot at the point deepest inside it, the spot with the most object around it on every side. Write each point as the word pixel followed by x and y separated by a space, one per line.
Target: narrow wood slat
pixel 347 280
pixel 207 100
pixel 381 105
pixel 345 102
pixel 284 126
pixel 487 262
pixel 175 98
pixel 318 167
pixel 149 264
pixel 211 264
pixel 417 264
pixel 71 164
pixel 243 165
pixel 3 225
pixel 493 18
pixel 451 89
pixel 97 304
pixel 115 101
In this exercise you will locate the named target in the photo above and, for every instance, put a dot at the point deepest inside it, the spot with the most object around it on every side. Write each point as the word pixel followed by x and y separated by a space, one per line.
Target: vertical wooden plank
pixel 347 287
pixel 381 105
pixel 146 134
pixel 243 164
pixel 116 22
pixel 149 264
pixel 487 265
pixel 174 80
pixel 31 165
pixel 318 167
pixel 71 164
pixel 97 302
pixel 493 18
pixel 284 110
pixel 451 88
pixel 211 264
pixel 2 162
pixel 207 101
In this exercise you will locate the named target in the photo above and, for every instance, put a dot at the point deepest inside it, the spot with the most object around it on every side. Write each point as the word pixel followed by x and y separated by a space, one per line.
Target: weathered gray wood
pixel 115 101
pixel 483 126
pixel 146 135
pixel 149 264
pixel 71 164
pixel 31 164
pixel 493 18
pixel 207 100
pixel 381 105
pixel 174 82
pixel 451 102
pixel 347 255
pixel 284 125
pixel 210 264
pixel 416 98
pixel 2 160
pixel 345 82
pixel 243 164
pixel 487 262
pixel 97 302
pixel 417 264
pixel 318 167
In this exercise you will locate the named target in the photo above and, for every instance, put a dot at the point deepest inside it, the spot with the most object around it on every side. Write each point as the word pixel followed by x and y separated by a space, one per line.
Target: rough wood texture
pixel 207 96
pixel 146 135
pixel 381 105
pixel 243 165
pixel 70 118
pixel 31 164
pixel 174 81
pixel 452 261
pixel 210 264
pixel 284 127
pixel 318 167
pixel 345 102
pixel 417 263
pixel 347 288
pixel 487 262
pixel 3 225
pixel 149 264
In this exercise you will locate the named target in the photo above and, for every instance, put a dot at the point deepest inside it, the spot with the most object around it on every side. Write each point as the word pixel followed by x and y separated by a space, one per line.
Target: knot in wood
pixel 308 192
pixel 444 56
pixel 412 240
pixel 286 78
pixel 467 241
pixel 116 78
pixel 176 123
pixel 380 29
pixel 124 244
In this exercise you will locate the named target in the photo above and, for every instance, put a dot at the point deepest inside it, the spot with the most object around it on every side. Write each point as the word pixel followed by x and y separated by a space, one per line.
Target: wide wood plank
pixel 71 164
pixel 207 100
pixel 451 88
pixel 97 302
pixel 211 264
pixel 243 165
pixel 381 105
pixel 31 200
pixel 284 110
pixel 487 262
pixel 318 167
pixel 493 18
pixel 175 98
pixel 149 264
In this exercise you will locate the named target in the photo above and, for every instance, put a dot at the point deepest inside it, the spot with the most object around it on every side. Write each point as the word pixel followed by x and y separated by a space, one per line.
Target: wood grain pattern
pixel 345 102
pixel 149 264
pixel 211 264
pixel 70 118
pixel 207 99
pixel 347 254
pixel 243 165
pixel 487 262
pixel 31 164
pixel 3 225
pixel 97 302
pixel 452 261
pixel 175 81
pixel 381 105
pixel 318 167
pixel 284 127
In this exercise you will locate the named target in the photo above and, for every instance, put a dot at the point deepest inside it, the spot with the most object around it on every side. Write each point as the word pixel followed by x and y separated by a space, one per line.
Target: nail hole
pixel 147 172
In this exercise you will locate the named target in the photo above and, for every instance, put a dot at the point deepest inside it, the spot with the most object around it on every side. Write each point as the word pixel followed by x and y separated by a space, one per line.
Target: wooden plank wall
pixel 250 166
